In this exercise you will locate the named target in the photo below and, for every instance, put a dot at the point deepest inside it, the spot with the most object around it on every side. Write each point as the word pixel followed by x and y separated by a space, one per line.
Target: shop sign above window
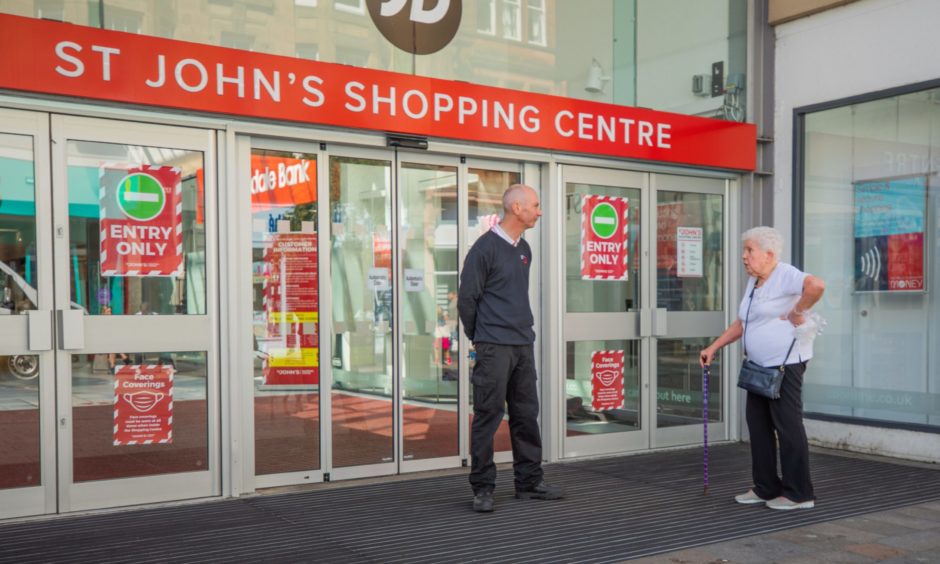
pixel 37 56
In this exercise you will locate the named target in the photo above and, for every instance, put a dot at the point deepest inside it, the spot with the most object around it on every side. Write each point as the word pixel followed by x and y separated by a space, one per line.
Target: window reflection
pixel 286 316
pixel 602 387
pixel 136 229
pixel 532 45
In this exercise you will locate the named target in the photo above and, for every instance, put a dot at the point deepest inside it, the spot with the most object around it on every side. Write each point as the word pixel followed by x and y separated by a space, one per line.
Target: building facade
pixel 856 188
pixel 232 232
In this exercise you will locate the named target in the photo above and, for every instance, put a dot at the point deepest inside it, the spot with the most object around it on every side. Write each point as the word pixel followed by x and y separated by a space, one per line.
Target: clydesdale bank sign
pixel 61 59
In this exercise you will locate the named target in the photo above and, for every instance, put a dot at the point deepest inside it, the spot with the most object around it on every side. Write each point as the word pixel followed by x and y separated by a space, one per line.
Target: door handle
pixel 71 329
pixel 659 322
pixel 39 330
pixel 646 322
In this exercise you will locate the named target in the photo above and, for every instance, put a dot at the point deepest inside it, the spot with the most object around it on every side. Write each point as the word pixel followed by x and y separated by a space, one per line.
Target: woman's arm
pixel 731 334
pixel 813 289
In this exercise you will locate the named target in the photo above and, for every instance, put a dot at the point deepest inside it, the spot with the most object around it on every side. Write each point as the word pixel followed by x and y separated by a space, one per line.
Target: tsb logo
pixel 421 27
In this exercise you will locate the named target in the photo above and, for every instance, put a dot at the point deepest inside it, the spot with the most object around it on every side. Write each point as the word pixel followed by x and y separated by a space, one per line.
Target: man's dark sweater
pixel 493 300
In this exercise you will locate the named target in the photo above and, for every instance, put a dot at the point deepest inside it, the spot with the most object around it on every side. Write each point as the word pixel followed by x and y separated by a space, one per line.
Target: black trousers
pixel 505 375
pixel 780 421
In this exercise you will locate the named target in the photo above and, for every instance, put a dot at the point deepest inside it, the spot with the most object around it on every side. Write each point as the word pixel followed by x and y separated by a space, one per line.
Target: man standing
pixel 493 303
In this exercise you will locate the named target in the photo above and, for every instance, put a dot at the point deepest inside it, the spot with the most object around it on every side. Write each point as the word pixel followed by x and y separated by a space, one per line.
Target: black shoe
pixel 483 502
pixel 541 491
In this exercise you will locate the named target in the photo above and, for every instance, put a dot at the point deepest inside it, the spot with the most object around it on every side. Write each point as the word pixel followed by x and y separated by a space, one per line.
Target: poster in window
pixel 890 216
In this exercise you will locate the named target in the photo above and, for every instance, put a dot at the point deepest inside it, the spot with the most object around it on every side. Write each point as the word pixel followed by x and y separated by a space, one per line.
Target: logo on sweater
pixel 525 259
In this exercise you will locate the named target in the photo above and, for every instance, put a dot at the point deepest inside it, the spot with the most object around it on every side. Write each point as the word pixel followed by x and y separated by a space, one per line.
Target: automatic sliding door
pixel 362 396
pixel 285 313
pixel 429 352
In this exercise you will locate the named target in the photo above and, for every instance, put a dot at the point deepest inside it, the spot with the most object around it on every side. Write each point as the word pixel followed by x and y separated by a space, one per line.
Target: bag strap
pixel 747 315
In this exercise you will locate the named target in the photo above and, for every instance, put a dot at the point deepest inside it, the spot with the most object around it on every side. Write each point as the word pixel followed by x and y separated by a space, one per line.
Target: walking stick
pixel 705 421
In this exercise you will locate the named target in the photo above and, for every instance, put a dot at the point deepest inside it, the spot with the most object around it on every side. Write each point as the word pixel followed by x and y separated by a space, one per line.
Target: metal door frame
pixel 34 332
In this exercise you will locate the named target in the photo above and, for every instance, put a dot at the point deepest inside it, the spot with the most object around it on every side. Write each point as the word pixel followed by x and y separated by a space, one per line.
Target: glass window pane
pixel 871 193
pixel 18 275
pixel 286 326
pixel 137 229
pixel 138 414
pixel 689 253
pixel 430 350
pixel 361 270
pixel 679 392
pixel 19 420
pixel 596 296
pixel 602 387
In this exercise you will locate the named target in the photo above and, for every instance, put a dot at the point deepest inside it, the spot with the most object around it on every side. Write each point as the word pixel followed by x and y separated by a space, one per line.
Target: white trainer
pixel 749 498
pixel 785 504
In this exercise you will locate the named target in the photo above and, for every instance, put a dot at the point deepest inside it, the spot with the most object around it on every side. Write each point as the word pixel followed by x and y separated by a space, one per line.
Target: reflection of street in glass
pixel 96 387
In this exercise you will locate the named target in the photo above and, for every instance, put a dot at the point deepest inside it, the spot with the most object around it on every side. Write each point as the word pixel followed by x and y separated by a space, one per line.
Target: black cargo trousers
pixel 505 375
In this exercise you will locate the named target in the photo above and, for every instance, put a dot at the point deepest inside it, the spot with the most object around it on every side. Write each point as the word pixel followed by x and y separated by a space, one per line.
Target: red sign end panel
pixel 68 60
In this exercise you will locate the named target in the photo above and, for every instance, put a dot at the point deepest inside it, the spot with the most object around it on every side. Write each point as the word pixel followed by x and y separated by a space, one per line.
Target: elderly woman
pixel 775 302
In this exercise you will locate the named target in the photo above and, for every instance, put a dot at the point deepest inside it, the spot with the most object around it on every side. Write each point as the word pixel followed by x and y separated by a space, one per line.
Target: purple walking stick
pixel 705 375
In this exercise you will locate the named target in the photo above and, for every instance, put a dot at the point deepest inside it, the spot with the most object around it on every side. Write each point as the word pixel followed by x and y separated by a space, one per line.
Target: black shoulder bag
pixel 761 380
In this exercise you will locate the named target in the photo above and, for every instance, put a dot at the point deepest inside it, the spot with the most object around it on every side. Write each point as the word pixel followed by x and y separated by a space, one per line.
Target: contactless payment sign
pixel 606 380
pixel 143 405
pixel 890 222
pixel 604 237
pixel 141 227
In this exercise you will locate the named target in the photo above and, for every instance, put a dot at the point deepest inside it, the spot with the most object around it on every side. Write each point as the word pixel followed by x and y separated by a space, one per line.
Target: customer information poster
pixel 292 305
pixel 143 405
pixel 890 216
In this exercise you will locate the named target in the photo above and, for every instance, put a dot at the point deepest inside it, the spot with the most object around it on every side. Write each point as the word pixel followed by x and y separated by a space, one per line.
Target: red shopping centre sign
pixel 604 238
pixel 141 221
pixel 143 405
pixel 606 380
pixel 76 61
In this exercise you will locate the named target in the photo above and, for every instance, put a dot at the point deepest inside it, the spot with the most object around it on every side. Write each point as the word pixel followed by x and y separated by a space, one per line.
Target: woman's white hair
pixel 767 238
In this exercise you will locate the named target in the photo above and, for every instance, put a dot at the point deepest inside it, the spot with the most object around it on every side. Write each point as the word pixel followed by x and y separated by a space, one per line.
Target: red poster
pixel 75 61
pixel 668 217
pixel 604 238
pixel 906 261
pixel 282 181
pixel 292 305
pixel 143 405
pixel 606 380
pixel 141 220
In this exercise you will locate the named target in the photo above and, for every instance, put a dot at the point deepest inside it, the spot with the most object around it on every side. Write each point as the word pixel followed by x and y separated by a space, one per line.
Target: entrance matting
pixel 616 509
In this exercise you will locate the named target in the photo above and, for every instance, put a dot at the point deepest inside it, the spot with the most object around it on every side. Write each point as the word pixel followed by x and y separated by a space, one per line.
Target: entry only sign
pixel 143 405
pixel 141 220
pixel 604 237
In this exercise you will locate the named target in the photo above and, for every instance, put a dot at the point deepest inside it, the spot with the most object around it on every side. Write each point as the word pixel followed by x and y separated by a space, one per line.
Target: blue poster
pixel 889 235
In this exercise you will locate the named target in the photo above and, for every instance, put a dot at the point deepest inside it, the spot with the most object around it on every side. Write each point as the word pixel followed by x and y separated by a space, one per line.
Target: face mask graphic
pixel 607 377
pixel 143 401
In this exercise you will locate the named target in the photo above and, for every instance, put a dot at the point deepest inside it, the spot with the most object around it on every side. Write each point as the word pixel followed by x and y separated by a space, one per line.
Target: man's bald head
pixel 517 193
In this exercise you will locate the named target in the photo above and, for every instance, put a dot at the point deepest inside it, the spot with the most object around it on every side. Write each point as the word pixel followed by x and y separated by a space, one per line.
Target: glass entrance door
pixel 399 368
pixel 136 310
pixel 644 276
pixel 606 360
pixel 109 314
pixel 690 269
pixel 27 374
